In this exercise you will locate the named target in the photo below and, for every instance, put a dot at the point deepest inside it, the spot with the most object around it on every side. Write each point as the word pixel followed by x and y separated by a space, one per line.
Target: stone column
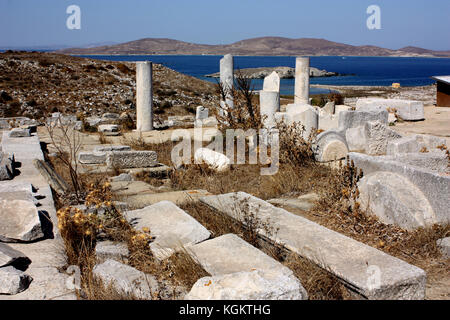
pixel 144 96
pixel 301 80
pixel 269 104
pixel 227 78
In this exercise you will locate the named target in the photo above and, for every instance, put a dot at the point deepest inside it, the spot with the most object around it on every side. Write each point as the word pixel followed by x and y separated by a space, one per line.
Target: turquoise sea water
pixel 368 71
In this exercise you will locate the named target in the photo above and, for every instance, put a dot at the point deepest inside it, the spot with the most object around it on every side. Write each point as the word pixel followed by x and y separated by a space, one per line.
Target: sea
pixel 360 71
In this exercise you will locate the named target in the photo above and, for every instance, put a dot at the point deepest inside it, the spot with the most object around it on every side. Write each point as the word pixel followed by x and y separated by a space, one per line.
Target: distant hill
pixel 257 46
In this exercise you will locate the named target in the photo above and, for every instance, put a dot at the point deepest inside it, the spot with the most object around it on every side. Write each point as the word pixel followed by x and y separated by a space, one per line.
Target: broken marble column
pixel 227 79
pixel 272 82
pixel 301 80
pixel 269 104
pixel 201 113
pixel 144 96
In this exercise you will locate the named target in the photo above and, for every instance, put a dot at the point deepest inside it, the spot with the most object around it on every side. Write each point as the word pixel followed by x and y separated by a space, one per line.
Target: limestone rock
pixel 444 247
pixel 433 185
pixel 353 119
pixel 105 250
pixel 131 159
pixel 126 280
pixel 254 285
pixel 171 226
pixel 19 221
pixel 215 160
pixel 305 202
pixel 51 176
pixel 109 129
pixel 122 177
pixel 12 257
pixel 330 107
pixel 395 200
pixel 356 139
pixel 201 113
pixel 13 281
pixel 107 148
pixel 405 109
pixel 92 157
pixel 272 82
pixel 19 133
pixel 377 136
pixel 6 167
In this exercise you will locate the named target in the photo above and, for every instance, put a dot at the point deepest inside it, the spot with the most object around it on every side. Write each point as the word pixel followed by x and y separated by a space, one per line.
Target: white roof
pixel 445 79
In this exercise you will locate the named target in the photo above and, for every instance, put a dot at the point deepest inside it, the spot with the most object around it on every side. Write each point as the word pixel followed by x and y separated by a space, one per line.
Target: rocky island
pixel 283 73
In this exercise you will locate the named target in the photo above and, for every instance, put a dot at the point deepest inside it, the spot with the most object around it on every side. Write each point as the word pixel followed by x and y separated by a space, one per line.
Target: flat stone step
pixel 231 260
pixel 369 272
pixel 172 228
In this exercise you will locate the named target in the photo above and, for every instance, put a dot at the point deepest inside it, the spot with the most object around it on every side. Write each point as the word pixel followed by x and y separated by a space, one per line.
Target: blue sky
pixel 404 22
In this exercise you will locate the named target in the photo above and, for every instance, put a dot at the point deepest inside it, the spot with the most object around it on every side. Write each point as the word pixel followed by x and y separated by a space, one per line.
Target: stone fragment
pixel 377 136
pixel 110 116
pixel 305 202
pixel 92 157
pixel 19 133
pixel 131 159
pixel 201 113
pixel 444 247
pixel 433 185
pixel 253 285
pixel 105 250
pixel 51 176
pixel 109 129
pixel 353 119
pixel 6 167
pixel 272 82
pixel 405 109
pixel 356 139
pixel 122 177
pixel 13 281
pixel 172 227
pixel 329 107
pixel 12 257
pixel 19 221
pixel 126 280
pixel 108 148
pixel 433 161
pixel 215 160
pixel 395 200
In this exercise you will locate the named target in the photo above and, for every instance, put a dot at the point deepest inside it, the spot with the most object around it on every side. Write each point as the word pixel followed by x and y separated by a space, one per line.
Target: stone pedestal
pixel 144 96
pixel 301 80
pixel 227 78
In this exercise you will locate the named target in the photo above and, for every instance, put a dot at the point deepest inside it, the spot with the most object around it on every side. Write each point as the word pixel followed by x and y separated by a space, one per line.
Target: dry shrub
pixel 245 112
pixel 294 149
pixel 123 68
